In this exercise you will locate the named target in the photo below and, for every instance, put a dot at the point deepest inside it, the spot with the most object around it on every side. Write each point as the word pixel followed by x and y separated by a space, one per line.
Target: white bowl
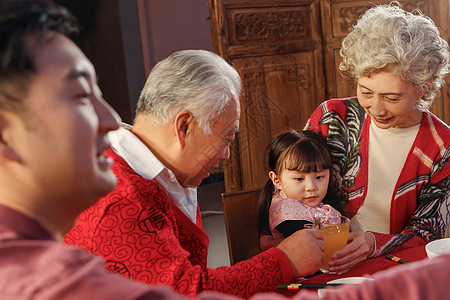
pixel 438 247
pixel 353 280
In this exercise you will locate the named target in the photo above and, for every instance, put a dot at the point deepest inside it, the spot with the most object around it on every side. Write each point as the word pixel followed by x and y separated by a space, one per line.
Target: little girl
pixel 300 165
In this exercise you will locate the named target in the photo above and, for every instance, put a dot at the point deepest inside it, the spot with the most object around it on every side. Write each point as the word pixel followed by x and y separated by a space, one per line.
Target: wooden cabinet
pixel 287 53
pixel 276 46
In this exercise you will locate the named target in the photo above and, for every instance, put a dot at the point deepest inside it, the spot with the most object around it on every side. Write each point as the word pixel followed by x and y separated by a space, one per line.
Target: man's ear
pixel 184 121
pixel 7 151
pixel 275 179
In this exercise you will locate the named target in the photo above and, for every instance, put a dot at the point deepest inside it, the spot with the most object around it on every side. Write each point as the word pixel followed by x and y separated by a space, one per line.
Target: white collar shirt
pixel 144 162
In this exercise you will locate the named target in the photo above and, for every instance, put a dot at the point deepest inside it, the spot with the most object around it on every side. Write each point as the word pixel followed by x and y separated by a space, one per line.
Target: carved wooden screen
pixel 276 47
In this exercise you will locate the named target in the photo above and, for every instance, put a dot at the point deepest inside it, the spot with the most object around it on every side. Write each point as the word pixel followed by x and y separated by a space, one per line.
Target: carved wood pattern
pixel 267 111
pixel 263 25
pixel 254 116
pixel 302 76
pixel 349 15
pixel 257 105
pixel 411 5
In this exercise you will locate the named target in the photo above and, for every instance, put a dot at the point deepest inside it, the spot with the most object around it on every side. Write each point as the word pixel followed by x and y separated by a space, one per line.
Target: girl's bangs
pixel 305 157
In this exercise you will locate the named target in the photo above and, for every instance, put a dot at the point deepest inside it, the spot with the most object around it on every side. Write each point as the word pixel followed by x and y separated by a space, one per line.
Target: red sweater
pixel 143 236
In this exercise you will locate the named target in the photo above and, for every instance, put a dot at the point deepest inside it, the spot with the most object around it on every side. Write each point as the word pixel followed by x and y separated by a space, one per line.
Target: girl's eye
pixel 299 179
pixel 320 177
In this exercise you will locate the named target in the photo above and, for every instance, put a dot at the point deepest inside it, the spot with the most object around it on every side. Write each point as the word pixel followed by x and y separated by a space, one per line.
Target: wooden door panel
pixel 276 47
pixel 279 94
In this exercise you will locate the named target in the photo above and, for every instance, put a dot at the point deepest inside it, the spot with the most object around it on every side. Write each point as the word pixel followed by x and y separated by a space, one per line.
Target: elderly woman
pixel 395 187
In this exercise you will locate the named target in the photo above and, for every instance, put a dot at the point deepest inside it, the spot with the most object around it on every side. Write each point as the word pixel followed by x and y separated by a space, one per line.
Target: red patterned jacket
pixel 143 236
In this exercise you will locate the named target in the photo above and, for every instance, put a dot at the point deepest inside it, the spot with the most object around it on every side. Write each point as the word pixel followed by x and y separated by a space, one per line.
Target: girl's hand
pixel 360 247
pixel 268 241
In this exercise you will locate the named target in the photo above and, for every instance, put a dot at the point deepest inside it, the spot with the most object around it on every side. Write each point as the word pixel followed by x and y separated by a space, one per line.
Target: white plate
pixel 353 280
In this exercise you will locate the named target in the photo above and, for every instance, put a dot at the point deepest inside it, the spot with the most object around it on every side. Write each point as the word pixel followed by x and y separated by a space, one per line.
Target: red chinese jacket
pixel 144 236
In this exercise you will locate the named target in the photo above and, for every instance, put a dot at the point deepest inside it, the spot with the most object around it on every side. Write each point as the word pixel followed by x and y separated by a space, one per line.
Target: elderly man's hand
pixel 268 241
pixel 360 247
pixel 304 250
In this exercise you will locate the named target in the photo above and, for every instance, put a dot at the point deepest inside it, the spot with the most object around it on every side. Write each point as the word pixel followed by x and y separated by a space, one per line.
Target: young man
pixel 53 128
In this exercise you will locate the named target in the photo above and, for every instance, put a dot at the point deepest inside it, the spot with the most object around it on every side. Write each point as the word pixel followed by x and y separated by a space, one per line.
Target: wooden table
pixel 369 266
pixel 373 265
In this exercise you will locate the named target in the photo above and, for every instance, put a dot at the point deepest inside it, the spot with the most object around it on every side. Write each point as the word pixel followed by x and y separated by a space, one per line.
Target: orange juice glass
pixel 335 238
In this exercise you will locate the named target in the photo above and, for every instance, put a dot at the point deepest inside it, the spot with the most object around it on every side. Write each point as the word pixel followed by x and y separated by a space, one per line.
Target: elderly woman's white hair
pixel 408 44
pixel 195 80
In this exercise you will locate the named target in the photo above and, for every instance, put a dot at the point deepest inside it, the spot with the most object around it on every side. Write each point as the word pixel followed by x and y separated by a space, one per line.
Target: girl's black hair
pixel 304 151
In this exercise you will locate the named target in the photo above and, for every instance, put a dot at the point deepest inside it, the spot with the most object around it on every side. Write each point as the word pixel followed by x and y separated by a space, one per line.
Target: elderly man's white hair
pixel 195 80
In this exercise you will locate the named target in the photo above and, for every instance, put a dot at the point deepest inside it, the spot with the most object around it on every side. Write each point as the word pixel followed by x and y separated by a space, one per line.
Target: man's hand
pixel 268 241
pixel 304 250
pixel 360 247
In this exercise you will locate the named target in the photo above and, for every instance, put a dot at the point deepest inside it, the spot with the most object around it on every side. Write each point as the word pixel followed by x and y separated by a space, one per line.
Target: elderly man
pixel 149 228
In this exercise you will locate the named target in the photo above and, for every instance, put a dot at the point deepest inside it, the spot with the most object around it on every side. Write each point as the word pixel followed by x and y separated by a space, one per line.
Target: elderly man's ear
pixel 7 151
pixel 184 123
